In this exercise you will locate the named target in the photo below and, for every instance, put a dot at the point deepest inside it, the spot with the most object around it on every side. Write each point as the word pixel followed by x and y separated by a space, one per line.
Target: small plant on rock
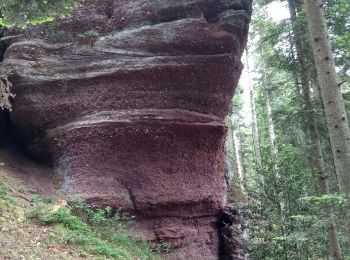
pixel 89 37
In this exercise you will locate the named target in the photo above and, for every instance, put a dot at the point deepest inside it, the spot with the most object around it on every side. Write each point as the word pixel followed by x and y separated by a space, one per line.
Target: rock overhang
pixel 132 115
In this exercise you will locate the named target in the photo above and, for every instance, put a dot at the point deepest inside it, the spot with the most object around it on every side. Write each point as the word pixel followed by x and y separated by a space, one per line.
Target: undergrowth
pixel 9 210
pixel 101 232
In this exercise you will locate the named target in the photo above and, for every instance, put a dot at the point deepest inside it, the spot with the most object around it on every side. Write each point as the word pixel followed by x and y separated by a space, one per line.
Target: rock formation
pixel 126 99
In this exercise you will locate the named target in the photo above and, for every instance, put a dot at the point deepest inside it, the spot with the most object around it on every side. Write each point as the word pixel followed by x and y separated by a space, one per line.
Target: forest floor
pixel 21 238
pixel 36 224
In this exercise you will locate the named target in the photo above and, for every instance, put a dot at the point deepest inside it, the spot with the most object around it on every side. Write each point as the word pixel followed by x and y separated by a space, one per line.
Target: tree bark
pixel 337 121
pixel 316 149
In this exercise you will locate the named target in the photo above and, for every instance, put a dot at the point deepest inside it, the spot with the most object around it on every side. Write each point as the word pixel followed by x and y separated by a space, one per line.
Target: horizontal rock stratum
pixel 127 98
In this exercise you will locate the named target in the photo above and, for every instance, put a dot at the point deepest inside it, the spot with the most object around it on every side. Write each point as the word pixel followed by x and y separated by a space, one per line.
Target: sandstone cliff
pixel 126 100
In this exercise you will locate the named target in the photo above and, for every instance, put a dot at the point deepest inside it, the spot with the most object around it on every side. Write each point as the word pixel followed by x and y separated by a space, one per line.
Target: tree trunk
pixel 239 158
pixel 274 152
pixel 272 135
pixel 234 153
pixel 255 129
pixel 316 149
pixel 337 120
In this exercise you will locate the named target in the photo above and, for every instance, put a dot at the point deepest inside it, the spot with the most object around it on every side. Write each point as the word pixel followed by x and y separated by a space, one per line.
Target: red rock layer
pixel 127 98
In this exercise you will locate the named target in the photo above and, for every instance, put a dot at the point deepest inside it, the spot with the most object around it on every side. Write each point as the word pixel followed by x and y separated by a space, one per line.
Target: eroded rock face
pixel 127 99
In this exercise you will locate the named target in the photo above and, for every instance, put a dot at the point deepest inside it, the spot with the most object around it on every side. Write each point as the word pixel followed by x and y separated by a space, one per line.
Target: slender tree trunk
pixel 274 152
pixel 241 171
pixel 272 135
pixel 316 149
pixel 255 126
pixel 337 120
pixel 234 156
pixel 255 129
pixel 239 159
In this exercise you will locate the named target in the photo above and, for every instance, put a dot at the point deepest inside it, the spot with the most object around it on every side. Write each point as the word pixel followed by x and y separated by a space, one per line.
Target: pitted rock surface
pixel 127 98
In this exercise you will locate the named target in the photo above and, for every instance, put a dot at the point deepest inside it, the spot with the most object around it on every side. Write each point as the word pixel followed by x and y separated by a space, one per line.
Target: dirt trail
pixel 29 173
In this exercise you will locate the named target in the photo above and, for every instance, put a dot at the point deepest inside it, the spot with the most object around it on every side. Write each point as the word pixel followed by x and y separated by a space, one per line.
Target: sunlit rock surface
pixel 127 99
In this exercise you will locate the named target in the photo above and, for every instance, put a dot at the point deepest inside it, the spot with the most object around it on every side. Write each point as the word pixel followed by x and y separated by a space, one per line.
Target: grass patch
pixel 101 232
pixel 27 190
pixel 5 196
pixel 45 227
pixel 5 185
pixel 10 212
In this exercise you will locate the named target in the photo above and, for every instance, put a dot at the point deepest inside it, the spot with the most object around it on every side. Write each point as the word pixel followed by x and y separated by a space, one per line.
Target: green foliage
pixel 100 232
pixel 337 12
pixel 328 198
pixel 21 13
pixel 89 37
pixel 303 218
pixel 42 213
pixel 5 196
pixel 237 102
pixel 163 247
pixel 10 208
pixel 298 228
